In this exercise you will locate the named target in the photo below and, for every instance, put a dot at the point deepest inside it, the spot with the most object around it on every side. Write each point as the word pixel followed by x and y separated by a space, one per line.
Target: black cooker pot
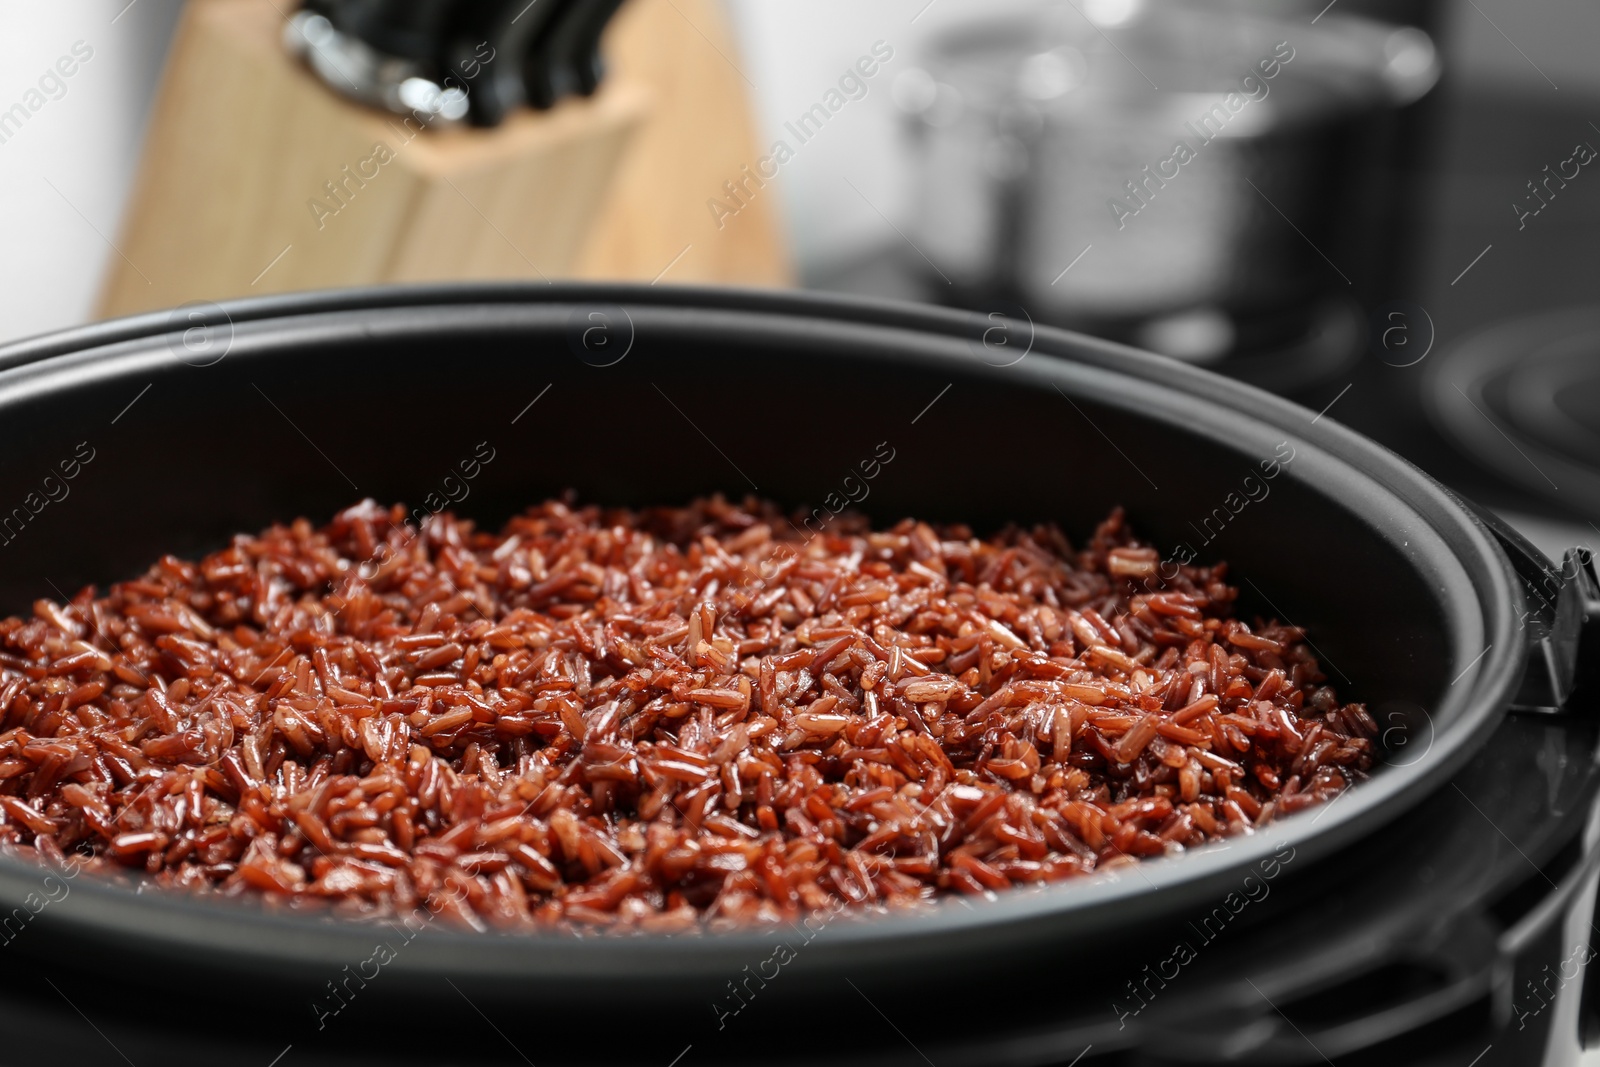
pixel 1439 910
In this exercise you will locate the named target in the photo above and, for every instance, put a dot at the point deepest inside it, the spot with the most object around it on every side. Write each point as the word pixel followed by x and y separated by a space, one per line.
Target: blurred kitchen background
pixel 1382 210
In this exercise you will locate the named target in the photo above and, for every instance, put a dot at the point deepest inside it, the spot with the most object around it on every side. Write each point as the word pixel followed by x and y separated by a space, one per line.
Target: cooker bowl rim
pixel 170 920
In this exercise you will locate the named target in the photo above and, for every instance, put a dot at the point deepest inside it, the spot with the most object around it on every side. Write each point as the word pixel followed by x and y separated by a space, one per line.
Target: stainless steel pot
pixel 1176 166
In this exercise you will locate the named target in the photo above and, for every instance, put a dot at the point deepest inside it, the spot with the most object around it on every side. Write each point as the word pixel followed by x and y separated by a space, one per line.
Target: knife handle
pixel 485 51
pixel 566 59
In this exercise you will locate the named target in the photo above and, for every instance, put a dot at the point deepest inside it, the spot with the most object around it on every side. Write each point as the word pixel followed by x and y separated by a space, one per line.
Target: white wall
pixel 85 144
pixel 1502 41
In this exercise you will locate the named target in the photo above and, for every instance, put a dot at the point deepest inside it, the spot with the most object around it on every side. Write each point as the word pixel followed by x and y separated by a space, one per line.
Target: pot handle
pixel 1561 610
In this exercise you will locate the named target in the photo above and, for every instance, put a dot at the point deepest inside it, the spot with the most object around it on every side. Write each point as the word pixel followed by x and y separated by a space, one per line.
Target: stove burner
pixel 1523 399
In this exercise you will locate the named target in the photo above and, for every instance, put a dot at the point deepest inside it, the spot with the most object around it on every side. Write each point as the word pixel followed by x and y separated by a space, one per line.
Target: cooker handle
pixel 1279 1020
pixel 1561 610
pixel 1462 962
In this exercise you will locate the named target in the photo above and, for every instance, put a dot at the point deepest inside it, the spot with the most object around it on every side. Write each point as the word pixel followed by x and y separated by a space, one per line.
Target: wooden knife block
pixel 257 178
